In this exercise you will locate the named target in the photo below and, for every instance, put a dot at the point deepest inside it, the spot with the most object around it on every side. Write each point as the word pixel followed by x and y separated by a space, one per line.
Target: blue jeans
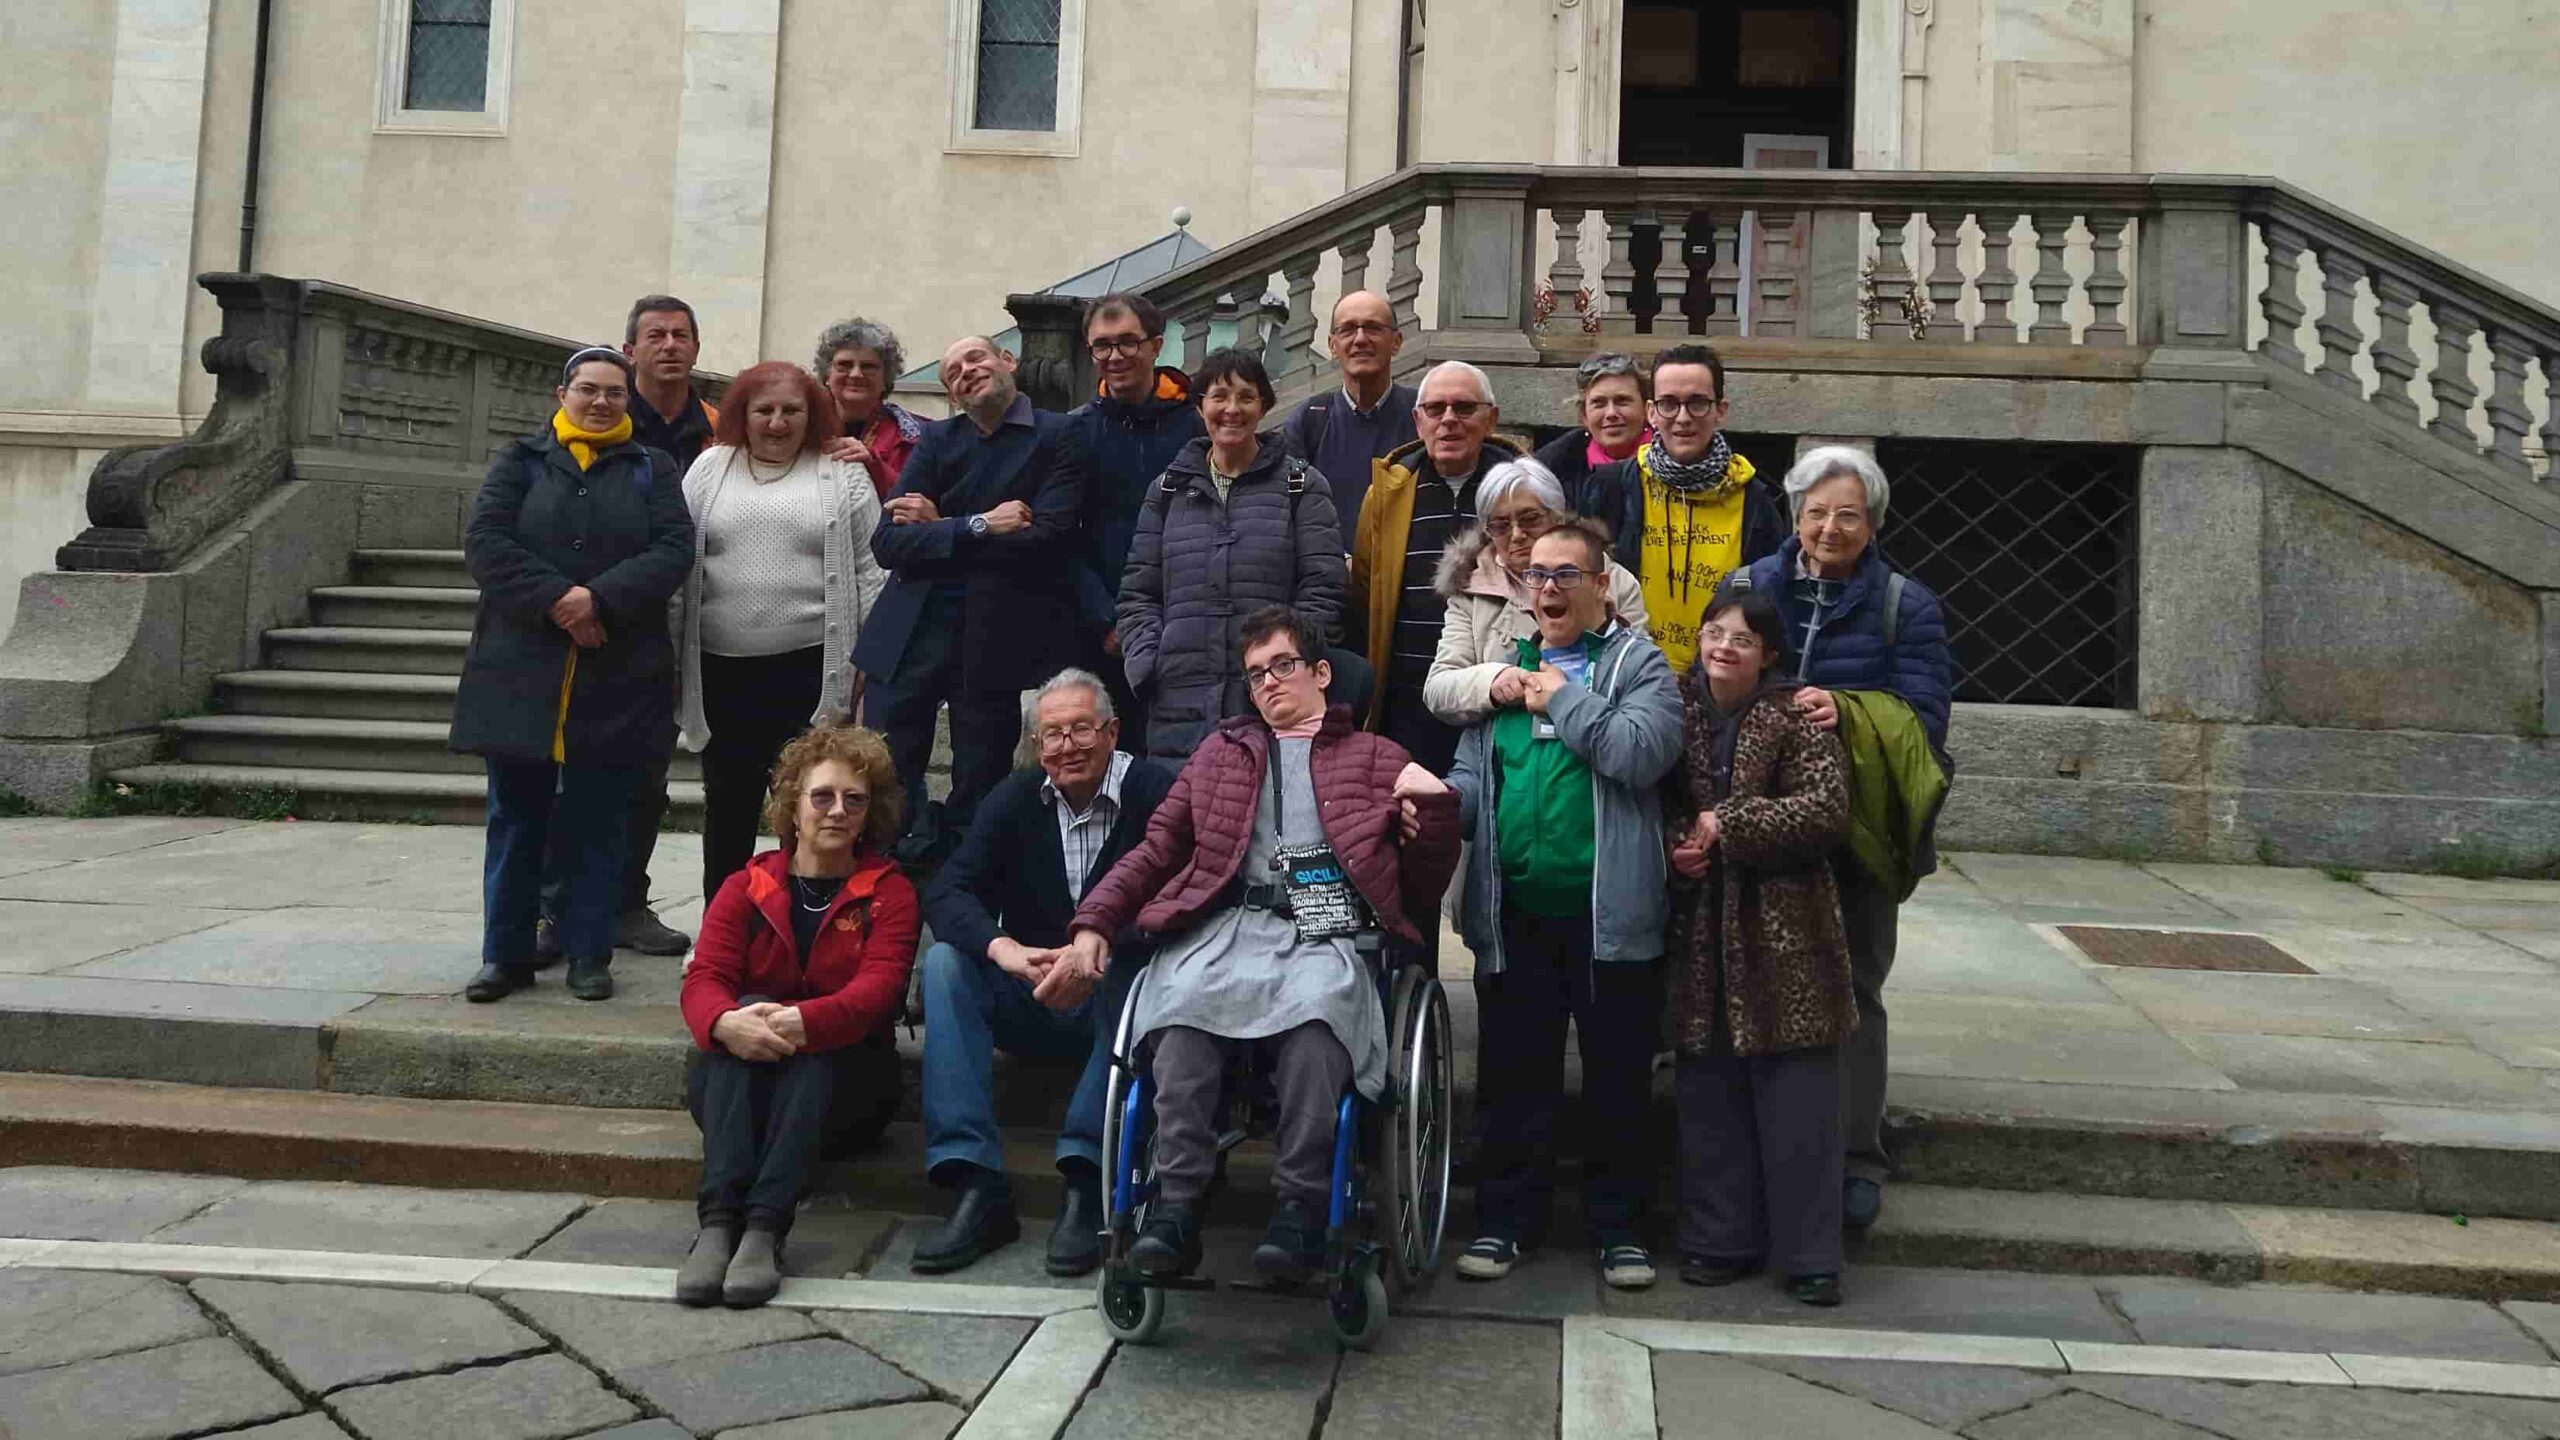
pixel 970 1008
pixel 528 801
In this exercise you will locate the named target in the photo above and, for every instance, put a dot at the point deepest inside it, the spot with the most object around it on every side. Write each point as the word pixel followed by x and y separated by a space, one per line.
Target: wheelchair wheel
pixel 1415 1160
pixel 1359 1306
pixel 1131 1311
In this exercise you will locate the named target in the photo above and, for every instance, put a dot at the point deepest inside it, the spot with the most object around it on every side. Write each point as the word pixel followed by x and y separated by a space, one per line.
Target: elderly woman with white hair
pixel 858 360
pixel 1865 635
pixel 1490 603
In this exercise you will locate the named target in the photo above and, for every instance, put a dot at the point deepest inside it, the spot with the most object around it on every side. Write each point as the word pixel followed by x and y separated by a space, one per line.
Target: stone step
pixel 367 649
pixel 303 742
pixel 395 607
pixel 441 569
pixel 336 694
pixel 425 797
pixel 270 1134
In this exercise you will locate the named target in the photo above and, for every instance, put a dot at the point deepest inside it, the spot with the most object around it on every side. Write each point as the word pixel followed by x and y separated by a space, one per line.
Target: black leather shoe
pixel 591 979
pixel 645 932
pixel 1861 1204
pixel 496 982
pixel 1170 1244
pixel 1699 1270
pixel 1075 1242
pixel 1292 1245
pixel 982 1222
pixel 1822 1290
pixel 546 943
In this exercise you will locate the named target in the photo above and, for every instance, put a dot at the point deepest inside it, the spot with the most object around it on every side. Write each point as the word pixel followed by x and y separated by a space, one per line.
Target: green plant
pixel 13 804
pixel 2472 860
pixel 260 802
pixel 2266 850
pixel 2343 874
pixel 110 797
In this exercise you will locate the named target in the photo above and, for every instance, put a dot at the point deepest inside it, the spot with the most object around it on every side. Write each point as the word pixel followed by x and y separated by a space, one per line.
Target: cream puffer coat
pixel 1488 618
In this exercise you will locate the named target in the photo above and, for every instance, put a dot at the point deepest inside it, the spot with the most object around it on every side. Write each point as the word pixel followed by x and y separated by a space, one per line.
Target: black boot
pixel 1170 1243
pixel 1075 1243
pixel 1292 1245
pixel 982 1221
pixel 591 979
pixel 643 931
pixel 496 982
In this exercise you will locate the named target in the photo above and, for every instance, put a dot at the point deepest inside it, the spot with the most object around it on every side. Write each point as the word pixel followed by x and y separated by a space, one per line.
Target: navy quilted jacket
pixel 1836 631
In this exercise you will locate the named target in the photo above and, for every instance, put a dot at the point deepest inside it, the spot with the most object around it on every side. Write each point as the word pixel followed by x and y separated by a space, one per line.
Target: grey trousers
pixel 1312 1071
pixel 1870 916
pixel 1760 1162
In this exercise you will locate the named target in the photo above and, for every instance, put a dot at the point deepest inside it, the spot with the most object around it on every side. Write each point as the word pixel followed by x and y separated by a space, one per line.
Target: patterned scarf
pixel 1706 478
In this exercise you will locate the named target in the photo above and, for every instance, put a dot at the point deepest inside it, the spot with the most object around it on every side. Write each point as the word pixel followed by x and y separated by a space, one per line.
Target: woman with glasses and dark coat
pixel 577 539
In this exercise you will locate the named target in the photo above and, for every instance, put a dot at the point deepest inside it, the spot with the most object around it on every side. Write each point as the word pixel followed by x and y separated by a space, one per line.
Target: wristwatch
pixel 978 525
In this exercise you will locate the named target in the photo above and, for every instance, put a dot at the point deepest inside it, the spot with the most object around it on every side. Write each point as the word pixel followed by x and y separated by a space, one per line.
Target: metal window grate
pixel 2031 547
pixel 1017 64
pixel 2182 950
pixel 448 55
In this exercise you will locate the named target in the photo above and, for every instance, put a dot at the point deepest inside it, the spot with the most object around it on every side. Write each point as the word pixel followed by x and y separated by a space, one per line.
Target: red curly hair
pixel 755 382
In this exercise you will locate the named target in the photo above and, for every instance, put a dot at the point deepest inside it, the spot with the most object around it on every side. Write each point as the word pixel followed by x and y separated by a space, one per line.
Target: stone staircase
pixel 351 713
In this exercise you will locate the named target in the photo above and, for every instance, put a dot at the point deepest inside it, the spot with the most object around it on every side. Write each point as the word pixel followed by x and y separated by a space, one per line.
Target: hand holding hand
pixel 1542 688
pixel 1819 707
pixel 1010 518
pixel 1066 984
pixel 1414 780
pixel 1019 960
pixel 746 1033
pixel 1510 685
pixel 785 1021
pixel 575 608
pixel 849 450
pixel 911 510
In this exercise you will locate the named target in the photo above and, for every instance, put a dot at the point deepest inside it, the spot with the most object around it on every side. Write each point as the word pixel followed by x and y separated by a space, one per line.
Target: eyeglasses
pixel 1357 329
pixel 1106 346
pixel 1844 519
pixel 1563 577
pixel 1461 409
pixel 591 392
pixel 1279 669
pixel 1699 405
pixel 1738 639
pixel 1530 523
pixel 847 800
pixel 1080 735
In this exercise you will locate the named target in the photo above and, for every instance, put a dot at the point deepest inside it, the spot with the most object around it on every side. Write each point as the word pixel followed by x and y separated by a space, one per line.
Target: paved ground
pixel 2427 992
pixel 137 1306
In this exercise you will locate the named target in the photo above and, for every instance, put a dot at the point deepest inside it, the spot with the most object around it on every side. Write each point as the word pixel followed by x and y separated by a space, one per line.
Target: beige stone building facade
pixel 782 163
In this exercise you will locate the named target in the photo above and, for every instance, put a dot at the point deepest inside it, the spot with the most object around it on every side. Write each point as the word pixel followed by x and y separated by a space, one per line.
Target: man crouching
pixel 1288 833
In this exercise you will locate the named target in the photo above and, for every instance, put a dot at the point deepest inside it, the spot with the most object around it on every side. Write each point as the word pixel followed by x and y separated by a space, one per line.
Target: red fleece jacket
pixel 850 988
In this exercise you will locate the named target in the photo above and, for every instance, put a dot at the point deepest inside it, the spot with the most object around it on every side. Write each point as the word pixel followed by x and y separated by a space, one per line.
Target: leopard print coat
pixel 1780 966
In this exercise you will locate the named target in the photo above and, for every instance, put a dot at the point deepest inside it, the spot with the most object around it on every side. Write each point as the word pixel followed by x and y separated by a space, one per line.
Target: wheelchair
pixel 1389 1204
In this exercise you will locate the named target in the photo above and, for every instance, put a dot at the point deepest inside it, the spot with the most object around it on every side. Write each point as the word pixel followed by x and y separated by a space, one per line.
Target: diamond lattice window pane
pixel 448 55
pixel 1017 65
pixel 2032 550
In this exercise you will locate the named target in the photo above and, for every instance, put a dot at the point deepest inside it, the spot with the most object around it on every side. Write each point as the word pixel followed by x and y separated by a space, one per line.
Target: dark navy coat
pixel 1841 646
pixel 539 527
pixel 1018 591
pixel 1116 451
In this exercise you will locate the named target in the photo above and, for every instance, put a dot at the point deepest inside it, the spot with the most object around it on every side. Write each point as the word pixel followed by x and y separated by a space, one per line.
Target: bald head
pixel 979 378
pixel 1364 341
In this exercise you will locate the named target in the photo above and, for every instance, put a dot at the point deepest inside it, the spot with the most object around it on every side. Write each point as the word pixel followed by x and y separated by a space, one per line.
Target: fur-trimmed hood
pixel 1469 567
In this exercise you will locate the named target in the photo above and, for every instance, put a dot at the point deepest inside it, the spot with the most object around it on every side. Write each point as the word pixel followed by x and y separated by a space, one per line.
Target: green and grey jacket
pixel 1625 725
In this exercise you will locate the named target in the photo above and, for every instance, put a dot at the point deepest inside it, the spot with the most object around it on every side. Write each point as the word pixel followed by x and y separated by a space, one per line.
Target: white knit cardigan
pixel 850 509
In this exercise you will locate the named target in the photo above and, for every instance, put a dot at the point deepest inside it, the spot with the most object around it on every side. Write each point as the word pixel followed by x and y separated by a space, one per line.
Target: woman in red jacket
pixel 802 959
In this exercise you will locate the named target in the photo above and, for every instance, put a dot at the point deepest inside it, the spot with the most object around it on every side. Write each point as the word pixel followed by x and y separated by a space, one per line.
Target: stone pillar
pixel 1485 255
pixel 1301 118
pixel 2202 637
pixel 724 175
pixel 1056 370
pixel 147 208
pixel 2194 290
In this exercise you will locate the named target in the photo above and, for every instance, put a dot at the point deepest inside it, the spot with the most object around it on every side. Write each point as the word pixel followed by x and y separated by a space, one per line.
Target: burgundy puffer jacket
pixel 1198 839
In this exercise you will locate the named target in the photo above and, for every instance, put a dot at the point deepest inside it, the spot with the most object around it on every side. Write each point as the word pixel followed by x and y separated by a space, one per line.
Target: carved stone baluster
pixel 1671 273
pixel 2051 283
pixel 1194 320
pixel 1892 280
pixel 2508 418
pixel 2452 376
pixel 1565 276
pixel 2551 417
pixel 1292 347
pixel 2106 281
pixel 2392 358
pixel 1355 260
pixel 1724 276
pixel 2341 339
pixel 1618 275
pixel 1946 274
pixel 1997 281
pixel 2281 301
pixel 1404 269
pixel 1777 299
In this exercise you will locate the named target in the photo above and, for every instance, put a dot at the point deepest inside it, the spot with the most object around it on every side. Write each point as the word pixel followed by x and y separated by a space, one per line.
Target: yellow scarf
pixel 1690 544
pixel 583 444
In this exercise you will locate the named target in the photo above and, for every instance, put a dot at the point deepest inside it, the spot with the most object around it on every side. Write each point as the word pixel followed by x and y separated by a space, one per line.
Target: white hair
pixel 1070 678
pixel 1522 474
pixel 1824 461
pixel 1483 382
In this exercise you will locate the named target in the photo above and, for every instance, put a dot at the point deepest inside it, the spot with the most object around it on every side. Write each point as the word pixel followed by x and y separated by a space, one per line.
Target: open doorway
pixel 1701 79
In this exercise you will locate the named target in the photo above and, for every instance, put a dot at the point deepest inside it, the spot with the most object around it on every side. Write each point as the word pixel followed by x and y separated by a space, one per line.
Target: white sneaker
pixel 1489 1257
pixel 1626 1267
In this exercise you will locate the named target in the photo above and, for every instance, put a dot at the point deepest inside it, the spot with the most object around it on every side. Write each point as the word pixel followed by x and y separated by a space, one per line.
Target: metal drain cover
pixel 2182 950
